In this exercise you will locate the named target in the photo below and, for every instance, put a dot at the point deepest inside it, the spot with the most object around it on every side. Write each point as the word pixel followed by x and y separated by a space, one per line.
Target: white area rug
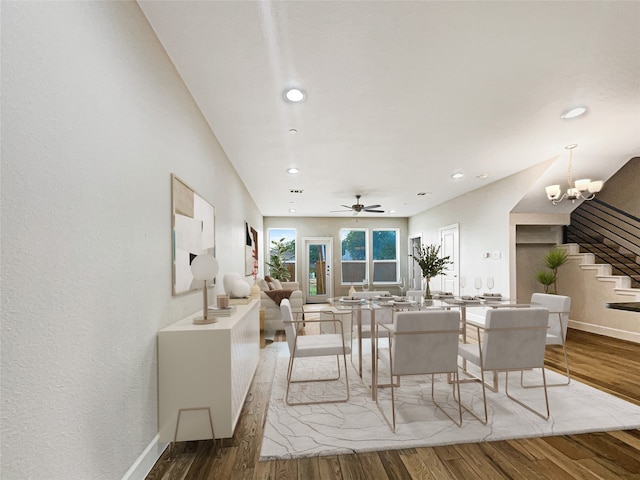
pixel 357 426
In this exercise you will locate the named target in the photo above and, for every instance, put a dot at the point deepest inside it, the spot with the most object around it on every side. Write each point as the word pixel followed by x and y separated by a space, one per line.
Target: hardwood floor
pixel 605 363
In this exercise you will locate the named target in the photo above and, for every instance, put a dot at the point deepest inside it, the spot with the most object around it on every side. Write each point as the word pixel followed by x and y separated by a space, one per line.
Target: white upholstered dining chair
pixel 513 339
pixel 558 306
pixel 314 345
pixel 420 343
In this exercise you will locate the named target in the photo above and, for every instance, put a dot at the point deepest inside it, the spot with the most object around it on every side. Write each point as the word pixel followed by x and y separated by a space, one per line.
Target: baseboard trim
pixel 606 331
pixel 147 459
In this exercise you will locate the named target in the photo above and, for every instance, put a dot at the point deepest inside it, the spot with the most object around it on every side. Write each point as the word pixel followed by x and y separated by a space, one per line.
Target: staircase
pixel 610 238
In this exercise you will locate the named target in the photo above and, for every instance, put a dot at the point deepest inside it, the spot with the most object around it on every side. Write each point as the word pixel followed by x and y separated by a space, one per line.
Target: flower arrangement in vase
pixel 431 264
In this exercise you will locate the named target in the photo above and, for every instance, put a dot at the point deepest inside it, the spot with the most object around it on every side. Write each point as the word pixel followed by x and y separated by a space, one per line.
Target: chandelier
pixel 583 189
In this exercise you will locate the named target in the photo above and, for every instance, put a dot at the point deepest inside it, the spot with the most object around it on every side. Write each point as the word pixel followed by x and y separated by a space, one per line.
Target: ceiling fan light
pixel 595 187
pixel 583 184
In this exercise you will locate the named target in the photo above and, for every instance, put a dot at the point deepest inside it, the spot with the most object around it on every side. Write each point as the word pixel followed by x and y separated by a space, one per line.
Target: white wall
pixel 483 218
pixel 589 297
pixel 94 121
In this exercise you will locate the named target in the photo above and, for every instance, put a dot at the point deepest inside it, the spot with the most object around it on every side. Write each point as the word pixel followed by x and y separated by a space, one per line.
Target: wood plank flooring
pixel 608 364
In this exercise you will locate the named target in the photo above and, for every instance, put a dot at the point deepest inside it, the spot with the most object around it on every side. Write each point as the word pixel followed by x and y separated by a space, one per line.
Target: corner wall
pixel 94 120
pixel 484 226
pixel 589 297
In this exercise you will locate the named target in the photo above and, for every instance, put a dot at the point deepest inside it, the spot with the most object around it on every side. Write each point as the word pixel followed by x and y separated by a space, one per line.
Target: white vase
pixel 228 280
pixel 240 289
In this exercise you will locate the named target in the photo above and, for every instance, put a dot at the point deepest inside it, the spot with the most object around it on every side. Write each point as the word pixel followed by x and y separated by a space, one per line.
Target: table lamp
pixel 204 268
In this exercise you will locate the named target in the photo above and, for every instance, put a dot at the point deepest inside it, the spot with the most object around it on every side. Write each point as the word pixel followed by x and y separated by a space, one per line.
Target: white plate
pixel 385 304
pixel 351 300
pixel 398 302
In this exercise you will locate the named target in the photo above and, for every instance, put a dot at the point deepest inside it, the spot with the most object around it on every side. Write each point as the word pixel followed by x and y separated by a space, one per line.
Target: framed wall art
pixel 251 251
pixel 192 231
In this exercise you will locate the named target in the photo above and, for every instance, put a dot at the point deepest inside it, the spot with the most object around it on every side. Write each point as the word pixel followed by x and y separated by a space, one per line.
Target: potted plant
pixel 428 257
pixel 277 266
pixel 546 278
pixel 553 260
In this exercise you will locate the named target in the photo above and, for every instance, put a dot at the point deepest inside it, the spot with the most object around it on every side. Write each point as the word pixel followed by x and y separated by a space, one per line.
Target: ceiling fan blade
pixel 334 211
pixel 373 211
pixel 346 206
pixel 372 206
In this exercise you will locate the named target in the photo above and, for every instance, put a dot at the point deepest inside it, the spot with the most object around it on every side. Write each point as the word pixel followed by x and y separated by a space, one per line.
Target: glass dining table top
pixel 415 302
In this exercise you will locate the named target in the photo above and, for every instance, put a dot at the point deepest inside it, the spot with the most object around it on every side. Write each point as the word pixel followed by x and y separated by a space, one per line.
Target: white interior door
pixel 317 282
pixel 450 246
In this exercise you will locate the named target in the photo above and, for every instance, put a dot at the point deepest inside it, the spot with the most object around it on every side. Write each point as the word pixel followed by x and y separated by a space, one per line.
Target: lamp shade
pixel 553 191
pixel 595 187
pixel 204 267
pixel 583 184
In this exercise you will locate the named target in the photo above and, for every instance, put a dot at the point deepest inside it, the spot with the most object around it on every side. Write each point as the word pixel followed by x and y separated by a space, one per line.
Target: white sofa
pixel 272 316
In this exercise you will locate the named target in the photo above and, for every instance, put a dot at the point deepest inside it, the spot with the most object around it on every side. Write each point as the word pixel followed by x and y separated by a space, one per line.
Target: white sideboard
pixel 202 366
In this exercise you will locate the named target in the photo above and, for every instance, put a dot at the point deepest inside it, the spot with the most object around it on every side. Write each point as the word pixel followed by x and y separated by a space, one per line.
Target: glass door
pixel 317 282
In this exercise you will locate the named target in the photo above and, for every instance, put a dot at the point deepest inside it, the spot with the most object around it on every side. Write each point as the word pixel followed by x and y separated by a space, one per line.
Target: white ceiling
pixel 400 95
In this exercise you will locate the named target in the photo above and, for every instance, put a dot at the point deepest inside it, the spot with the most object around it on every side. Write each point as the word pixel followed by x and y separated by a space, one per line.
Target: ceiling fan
pixel 359 207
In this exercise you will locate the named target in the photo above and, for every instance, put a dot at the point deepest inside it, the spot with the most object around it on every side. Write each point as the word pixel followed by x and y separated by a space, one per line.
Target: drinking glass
pixel 463 283
pixel 403 285
pixel 490 284
pixel 365 285
pixel 478 284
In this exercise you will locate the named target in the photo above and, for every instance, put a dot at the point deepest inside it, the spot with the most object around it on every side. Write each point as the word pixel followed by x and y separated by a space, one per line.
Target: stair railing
pixel 595 223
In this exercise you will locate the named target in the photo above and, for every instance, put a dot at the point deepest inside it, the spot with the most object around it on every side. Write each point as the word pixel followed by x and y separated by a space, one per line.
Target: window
pixel 358 257
pixel 353 255
pixel 286 239
pixel 385 256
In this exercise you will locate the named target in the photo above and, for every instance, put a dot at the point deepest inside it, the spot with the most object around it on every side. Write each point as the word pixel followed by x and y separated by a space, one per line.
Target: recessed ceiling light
pixel 293 170
pixel 457 175
pixel 483 176
pixel 293 131
pixel 294 95
pixel 574 112
pixel 292 210
pixel 392 211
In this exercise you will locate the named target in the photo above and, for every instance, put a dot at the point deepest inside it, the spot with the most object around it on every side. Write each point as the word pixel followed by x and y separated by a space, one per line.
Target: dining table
pixel 411 302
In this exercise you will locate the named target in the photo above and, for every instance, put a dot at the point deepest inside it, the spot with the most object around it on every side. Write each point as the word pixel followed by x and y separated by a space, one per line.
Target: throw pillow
pixel 277 284
pixel 264 286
